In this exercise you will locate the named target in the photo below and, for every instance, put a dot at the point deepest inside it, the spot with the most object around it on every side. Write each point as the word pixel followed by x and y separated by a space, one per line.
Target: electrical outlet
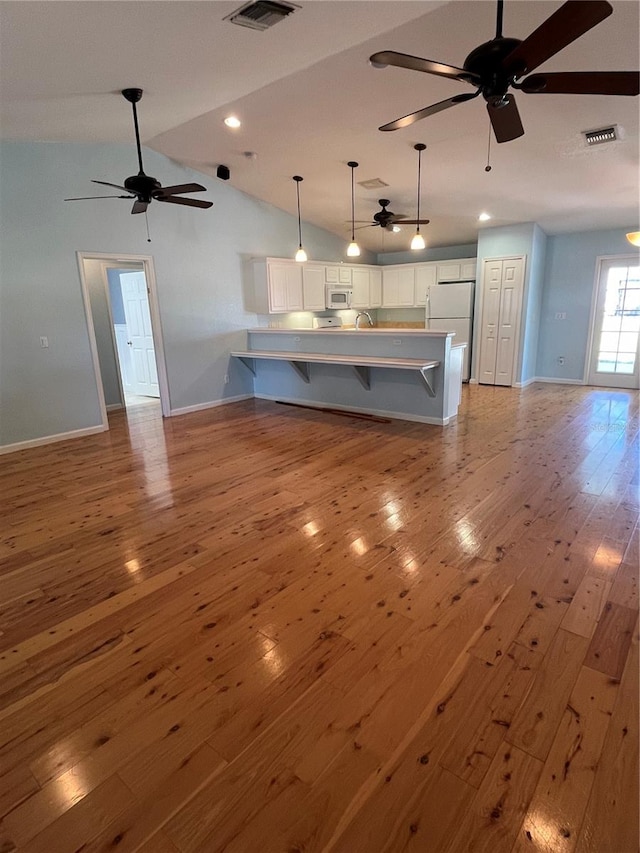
pixel 561 315
pixel 397 342
pixel 560 359
pixel 226 379
pixel 44 342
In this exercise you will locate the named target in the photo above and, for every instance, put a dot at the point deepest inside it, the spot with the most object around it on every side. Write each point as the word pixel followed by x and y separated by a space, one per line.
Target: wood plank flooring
pixel 262 629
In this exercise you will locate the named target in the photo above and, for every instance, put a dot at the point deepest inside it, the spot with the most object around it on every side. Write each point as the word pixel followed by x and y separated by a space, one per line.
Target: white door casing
pixel 502 287
pixel 138 317
pixel 613 355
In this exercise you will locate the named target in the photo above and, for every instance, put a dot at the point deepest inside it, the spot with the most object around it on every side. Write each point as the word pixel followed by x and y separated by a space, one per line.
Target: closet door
pixel 502 285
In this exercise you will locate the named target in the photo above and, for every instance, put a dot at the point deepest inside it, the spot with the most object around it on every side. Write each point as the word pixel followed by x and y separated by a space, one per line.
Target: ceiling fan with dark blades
pixel 388 219
pixel 497 65
pixel 143 188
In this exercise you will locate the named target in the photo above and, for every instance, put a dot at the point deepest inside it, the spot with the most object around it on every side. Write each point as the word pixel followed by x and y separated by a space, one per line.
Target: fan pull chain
pixel 487 168
pixel 146 219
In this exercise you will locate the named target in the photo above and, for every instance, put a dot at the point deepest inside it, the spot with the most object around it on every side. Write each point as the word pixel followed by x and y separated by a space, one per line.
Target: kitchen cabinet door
pixel 425 277
pixel 313 288
pixel 390 286
pixel 360 286
pixel 375 288
pixel 285 287
pixel 407 286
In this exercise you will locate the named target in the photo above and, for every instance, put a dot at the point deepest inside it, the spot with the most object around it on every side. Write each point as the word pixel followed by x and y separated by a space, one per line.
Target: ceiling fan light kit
pixel 142 187
pixel 497 65
pixel 301 255
pixel 353 250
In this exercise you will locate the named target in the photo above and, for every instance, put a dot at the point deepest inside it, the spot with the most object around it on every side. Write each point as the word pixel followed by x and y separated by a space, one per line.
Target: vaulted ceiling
pixel 309 102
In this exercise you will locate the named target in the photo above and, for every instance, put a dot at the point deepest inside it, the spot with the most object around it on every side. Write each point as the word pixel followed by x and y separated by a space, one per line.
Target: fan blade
pixel 583 83
pixel 139 206
pixel 86 197
pixel 405 121
pixel 415 63
pixel 414 222
pixel 106 184
pixel 179 188
pixel 572 20
pixel 190 202
pixel 505 119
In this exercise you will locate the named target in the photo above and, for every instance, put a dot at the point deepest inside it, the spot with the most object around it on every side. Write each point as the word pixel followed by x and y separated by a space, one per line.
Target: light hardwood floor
pixel 260 628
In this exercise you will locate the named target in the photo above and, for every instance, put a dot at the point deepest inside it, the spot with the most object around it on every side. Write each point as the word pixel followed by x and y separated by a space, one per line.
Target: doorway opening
pixel 614 351
pixel 123 321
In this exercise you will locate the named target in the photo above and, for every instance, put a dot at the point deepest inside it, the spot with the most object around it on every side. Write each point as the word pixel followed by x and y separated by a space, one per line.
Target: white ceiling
pixel 309 102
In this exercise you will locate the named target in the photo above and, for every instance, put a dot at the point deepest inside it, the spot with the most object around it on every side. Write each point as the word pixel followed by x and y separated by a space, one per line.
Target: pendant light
pixel 634 238
pixel 353 251
pixel 301 255
pixel 418 240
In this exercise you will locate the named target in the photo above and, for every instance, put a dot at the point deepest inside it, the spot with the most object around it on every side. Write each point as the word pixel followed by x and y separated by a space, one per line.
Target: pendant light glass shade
pixel 301 255
pixel 353 250
pixel 417 242
pixel 634 238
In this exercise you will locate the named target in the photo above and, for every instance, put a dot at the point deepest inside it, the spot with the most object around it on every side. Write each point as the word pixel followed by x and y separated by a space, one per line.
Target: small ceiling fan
pixel 389 220
pixel 143 188
pixel 497 65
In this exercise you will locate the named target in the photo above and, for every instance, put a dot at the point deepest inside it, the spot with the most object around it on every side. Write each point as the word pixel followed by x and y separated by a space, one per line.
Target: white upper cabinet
pixel 366 286
pixel 398 286
pixel 375 288
pixel 285 287
pixel 360 284
pixel 337 274
pixel 313 287
pixel 425 277
pixel 458 270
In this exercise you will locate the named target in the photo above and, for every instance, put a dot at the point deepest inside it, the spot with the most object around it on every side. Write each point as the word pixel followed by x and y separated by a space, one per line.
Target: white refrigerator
pixel 450 309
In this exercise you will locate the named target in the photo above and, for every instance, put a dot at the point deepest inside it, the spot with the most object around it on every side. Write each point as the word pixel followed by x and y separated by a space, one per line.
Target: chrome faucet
pixel 363 314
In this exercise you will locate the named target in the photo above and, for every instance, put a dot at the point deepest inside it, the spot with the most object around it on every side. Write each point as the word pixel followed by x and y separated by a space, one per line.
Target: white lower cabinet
pixel 398 286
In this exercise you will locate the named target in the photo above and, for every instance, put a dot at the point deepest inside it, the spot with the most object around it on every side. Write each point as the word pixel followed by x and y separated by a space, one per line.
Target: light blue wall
pixel 443 253
pixel 569 279
pixel 198 258
pixel 532 305
pixel 115 296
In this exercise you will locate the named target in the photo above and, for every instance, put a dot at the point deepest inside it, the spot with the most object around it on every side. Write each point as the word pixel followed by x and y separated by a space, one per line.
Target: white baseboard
pixel 51 439
pixel 473 382
pixel 558 381
pixel 525 383
pixel 212 404
pixel 381 413
pixel 114 407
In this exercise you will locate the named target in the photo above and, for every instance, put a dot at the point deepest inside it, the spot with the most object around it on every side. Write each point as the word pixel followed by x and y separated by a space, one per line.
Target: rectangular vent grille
pixel 598 137
pixel 372 184
pixel 261 15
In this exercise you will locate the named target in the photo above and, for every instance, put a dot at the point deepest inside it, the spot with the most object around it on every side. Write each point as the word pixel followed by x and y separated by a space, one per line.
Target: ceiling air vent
pixel 261 15
pixel 372 184
pixel 603 134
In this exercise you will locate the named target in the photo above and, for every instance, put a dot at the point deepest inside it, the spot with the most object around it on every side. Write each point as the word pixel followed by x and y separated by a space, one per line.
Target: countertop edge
pixel 361 332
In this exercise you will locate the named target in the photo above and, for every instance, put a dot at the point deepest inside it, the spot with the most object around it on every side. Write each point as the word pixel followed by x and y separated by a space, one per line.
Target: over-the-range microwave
pixel 338 297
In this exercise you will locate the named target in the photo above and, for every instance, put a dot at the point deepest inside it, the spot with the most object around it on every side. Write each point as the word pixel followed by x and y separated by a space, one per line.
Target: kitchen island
pixel 410 374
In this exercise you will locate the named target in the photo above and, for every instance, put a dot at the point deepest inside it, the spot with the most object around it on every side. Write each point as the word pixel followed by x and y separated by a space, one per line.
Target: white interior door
pixel 143 358
pixel 615 344
pixel 501 306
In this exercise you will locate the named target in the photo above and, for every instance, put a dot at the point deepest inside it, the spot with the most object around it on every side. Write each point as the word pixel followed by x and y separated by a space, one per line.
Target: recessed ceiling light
pixel 232 121
pixel 484 217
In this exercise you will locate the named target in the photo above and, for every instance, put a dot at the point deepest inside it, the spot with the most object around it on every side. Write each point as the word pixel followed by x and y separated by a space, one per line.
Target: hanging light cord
pixel 420 147
pixel 419 172
pixel 297 180
pixel 147 221
pixel 353 208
